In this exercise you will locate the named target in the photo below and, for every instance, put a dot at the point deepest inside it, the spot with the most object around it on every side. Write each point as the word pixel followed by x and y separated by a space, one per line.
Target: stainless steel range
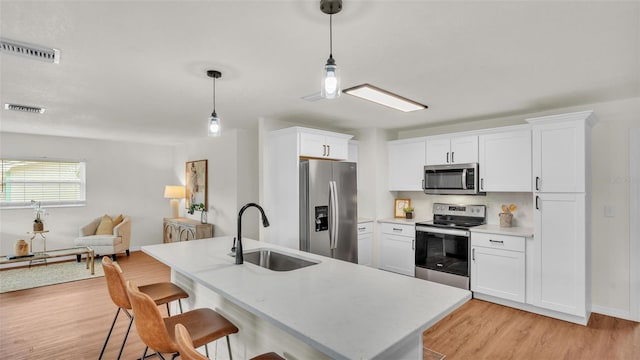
pixel 443 244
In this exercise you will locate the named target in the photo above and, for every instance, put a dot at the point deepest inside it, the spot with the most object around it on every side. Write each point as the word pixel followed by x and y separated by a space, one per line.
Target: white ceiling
pixel 136 70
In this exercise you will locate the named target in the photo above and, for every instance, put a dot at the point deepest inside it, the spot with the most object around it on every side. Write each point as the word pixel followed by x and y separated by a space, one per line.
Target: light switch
pixel 609 211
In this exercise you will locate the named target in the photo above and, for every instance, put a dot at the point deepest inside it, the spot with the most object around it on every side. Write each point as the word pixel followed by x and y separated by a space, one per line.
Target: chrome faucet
pixel 238 248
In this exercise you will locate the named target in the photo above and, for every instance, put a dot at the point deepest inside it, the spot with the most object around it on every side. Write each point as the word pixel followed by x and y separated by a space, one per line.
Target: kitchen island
pixel 333 309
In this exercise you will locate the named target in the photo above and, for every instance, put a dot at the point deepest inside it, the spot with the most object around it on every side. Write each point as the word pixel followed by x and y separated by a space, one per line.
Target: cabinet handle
pixel 497 241
pixel 452 161
pixel 537 206
pixel 537 183
pixel 473 254
pixel 324 150
pixel 361 228
pixel 396 229
pixel 328 150
pixel 481 183
pixel 447 157
pixel 413 244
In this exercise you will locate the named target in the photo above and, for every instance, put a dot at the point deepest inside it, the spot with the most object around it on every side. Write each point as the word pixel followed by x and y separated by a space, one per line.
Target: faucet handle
pixel 233 248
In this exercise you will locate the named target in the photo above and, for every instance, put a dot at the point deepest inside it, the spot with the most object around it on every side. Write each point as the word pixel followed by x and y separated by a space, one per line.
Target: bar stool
pixel 158 333
pixel 160 293
pixel 188 352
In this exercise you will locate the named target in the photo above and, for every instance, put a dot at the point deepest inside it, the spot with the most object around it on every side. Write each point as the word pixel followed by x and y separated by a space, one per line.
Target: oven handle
pixel 436 230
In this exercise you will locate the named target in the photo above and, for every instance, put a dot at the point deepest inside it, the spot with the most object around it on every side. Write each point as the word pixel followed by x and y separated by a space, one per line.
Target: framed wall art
pixel 196 183
pixel 398 209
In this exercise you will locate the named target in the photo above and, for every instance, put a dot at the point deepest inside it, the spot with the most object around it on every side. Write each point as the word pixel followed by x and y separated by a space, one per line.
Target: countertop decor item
pixel 506 216
pixel 408 212
pixel 38 225
pixel 199 207
pixel 400 205
pixel 21 248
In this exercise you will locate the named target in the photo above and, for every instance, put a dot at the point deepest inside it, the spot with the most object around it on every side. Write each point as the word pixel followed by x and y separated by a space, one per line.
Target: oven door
pixel 442 255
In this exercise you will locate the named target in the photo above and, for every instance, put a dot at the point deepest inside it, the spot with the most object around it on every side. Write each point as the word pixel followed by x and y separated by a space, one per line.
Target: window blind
pixel 51 182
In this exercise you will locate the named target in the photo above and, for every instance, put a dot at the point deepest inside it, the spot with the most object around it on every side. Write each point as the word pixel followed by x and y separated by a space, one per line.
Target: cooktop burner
pixel 457 216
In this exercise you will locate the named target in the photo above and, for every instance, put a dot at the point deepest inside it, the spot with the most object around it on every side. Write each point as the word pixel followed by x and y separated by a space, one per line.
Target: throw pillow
pixel 106 226
pixel 117 220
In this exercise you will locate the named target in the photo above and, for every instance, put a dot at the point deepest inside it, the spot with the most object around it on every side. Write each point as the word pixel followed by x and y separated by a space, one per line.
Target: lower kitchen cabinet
pixel 365 243
pixel 397 248
pixel 183 229
pixel 498 266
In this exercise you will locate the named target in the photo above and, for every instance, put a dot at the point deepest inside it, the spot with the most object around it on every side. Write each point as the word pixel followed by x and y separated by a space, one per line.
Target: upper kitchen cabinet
pixel 560 144
pixel 505 160
pixel 452 150
pixel 406 163
pixel 323 144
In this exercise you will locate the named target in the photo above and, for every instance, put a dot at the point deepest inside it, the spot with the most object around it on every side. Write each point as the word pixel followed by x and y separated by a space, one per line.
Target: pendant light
pixel 330 86
pixel 214 124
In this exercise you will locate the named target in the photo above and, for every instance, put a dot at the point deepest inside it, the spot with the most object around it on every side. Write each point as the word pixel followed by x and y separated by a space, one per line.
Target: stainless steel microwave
pixel 454 179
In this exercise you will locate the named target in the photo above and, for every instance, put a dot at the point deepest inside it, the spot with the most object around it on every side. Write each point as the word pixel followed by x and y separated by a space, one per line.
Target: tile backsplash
pixel 423 205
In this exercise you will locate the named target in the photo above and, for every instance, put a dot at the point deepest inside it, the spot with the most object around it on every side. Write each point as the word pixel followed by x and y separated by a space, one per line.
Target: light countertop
pixel 364 220
pixel 401 221
pixel 344 310
pixel 496 229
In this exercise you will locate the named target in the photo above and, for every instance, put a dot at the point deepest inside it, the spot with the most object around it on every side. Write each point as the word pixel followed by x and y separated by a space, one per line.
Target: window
pixel 51 182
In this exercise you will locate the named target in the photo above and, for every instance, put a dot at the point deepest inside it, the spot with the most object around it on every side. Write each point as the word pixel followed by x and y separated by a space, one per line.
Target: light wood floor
pixel 70 321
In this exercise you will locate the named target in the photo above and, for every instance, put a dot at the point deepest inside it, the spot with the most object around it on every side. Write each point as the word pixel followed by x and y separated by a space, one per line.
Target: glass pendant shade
pixel 214 125
pixel 330 87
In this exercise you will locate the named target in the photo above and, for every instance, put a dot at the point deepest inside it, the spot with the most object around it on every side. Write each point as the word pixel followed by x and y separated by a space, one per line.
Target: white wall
pixel 610 187
pixel 232 160
pixel 122 178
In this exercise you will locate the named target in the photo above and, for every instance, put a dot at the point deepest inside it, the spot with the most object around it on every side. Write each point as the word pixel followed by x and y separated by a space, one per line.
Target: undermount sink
pixel 276 261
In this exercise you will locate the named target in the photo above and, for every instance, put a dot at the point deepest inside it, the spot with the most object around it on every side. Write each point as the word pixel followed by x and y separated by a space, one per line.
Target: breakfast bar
pixel 331 309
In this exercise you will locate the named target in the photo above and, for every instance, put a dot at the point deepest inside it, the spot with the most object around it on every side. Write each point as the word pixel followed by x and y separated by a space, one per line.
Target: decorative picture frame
pixel 398 209
pixel 196 183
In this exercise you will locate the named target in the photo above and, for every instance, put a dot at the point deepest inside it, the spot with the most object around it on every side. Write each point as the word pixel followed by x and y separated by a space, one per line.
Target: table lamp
pixel 174 192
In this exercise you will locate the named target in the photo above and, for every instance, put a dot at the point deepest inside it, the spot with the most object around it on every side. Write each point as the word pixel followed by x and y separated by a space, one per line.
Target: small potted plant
pixel 408 212
pixel 199 207
pixel 38 225
pixel 506 216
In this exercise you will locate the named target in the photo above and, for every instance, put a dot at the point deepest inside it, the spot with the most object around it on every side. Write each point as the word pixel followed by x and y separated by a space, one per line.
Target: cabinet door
pixel 498 273
pixel 559 157
pixel 397 254
pixel 337 148
pixel 365 249
pixel 438 151
pixel 313 145
pixel 559 253
pixel 464 149
pixel 505 161
pixel 406 164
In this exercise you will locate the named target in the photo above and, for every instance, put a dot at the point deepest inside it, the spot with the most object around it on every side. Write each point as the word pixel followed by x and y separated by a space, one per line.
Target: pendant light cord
pixel 330 35
pixel 214 94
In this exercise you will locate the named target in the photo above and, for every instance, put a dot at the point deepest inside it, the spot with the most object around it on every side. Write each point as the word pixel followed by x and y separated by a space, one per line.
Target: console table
pixel 183 229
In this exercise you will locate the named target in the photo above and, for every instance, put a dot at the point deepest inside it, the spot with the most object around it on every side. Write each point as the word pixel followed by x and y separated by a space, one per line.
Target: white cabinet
pixel 406 164
pixel 498 265
pixel 324 145
pixel 397 248
pixel 505 161
pixel 365 243
pixel 559 151
pixel 559 253
pixel 454 150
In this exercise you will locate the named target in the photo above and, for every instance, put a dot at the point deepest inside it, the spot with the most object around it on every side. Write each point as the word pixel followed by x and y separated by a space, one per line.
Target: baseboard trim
pixel 617 313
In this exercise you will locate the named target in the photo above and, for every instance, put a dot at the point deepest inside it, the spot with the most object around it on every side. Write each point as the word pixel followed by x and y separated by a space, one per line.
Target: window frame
pixel 47 203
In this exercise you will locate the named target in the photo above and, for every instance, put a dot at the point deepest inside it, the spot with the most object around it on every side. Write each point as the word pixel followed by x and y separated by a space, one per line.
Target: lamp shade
pixel 174 191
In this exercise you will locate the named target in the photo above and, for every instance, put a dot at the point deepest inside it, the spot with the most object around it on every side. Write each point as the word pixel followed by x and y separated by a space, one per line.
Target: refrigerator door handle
pixel 335 215
pixel 330 220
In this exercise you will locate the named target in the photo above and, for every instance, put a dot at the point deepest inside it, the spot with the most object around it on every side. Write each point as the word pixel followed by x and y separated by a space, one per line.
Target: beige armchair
pixel 106 244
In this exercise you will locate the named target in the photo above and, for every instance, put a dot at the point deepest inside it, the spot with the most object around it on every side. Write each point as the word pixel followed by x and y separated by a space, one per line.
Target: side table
pixel 43 235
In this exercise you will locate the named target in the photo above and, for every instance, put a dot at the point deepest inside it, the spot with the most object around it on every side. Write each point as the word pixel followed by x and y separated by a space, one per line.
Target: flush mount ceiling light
pixel 383 97
pixel 330 87
pixel 215 126
pixel 30 51
pixel 24 108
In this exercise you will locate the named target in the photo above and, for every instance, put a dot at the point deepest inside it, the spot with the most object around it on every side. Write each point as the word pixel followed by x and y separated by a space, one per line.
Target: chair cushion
pixel 117 220
pixel 98 240
pixel 106 226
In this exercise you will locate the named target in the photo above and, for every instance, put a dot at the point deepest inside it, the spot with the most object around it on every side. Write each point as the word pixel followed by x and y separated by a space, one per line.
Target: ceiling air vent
pixel 24 108
pixel 31 51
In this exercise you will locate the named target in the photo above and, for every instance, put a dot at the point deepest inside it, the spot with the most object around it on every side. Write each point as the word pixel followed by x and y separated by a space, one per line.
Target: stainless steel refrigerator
pixel 329 209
